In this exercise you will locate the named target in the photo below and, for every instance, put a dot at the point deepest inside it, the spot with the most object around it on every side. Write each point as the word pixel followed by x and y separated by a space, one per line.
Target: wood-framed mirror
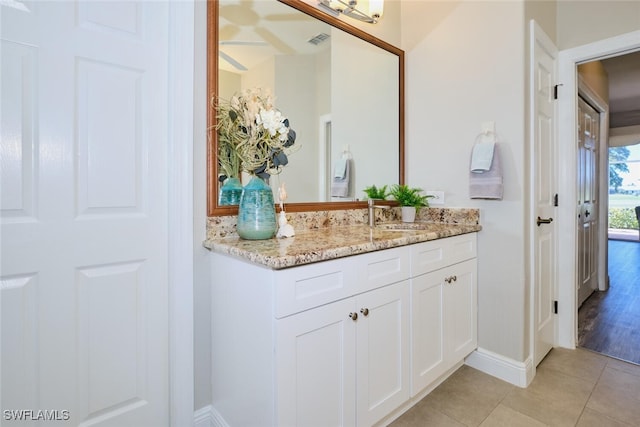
pixel 362 118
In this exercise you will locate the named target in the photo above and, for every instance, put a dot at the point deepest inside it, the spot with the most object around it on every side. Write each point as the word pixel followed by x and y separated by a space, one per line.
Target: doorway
pixel 568 60
pixel 608 318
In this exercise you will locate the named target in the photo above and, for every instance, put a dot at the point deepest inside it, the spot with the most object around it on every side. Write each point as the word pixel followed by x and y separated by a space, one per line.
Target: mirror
pixel 343 96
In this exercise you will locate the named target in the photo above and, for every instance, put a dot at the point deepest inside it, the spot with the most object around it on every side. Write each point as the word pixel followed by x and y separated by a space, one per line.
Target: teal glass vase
pixel 256 212
pixel 230 192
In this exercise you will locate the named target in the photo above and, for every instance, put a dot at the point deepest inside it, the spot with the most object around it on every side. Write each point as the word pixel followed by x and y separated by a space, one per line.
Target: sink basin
pixel 405 226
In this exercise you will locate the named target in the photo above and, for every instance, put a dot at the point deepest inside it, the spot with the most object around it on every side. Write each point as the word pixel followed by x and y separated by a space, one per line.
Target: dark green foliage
pixel 622 218
pixel 407 196
pixel 376 193
pixel 617 155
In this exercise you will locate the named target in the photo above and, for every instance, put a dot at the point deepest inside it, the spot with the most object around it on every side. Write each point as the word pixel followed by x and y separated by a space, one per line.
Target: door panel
pixel 83 216
pixel 544 191
pixel 427 311
pixel 461 301
pixel 382 351
pixel 316 357
pixel 588 143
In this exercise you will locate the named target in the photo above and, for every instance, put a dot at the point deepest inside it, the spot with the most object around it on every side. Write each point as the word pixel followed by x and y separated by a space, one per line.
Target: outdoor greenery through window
pixel 624 186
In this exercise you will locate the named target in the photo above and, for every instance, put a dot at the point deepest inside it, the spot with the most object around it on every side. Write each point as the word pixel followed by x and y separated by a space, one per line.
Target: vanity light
pixel 349 8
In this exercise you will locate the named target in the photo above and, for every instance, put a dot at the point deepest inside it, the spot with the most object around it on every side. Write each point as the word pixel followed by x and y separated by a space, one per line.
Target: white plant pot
pixel 408 214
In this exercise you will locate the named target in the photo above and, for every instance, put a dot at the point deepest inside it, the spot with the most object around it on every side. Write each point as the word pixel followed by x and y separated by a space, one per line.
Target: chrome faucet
pixel 371 208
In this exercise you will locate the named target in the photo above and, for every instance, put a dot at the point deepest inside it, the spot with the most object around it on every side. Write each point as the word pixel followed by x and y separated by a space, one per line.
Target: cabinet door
pixel 444 324
pixel 382 352
pixel 461 296
pixel 427 329
pixel 315 367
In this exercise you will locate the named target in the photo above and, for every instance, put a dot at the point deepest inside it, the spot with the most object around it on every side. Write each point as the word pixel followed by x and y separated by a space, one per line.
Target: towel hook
pixel 346 154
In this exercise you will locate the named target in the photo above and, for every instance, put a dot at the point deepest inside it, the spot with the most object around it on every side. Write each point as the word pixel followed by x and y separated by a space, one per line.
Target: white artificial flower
pixel 273 122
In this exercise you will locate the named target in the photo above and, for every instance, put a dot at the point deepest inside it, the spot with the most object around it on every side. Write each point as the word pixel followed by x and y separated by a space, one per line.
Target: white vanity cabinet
pixel 344 342
pixel 324 344
pixel 443 306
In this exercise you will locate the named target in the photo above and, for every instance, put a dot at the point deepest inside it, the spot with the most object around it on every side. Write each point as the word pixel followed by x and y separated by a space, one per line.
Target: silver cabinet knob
pixel 364 311
pixel 353 316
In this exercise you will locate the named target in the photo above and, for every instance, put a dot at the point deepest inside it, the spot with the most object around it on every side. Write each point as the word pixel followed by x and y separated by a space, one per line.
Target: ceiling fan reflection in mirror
pixel 248 35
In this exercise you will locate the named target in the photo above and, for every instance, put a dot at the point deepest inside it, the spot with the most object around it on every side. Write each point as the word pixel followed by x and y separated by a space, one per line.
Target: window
pixel 624 186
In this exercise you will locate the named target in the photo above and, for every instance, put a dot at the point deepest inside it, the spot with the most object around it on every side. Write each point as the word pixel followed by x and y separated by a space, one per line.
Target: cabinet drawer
pixel 462 247
pixel 381 268
pixel 305 287
pixel 436 254
pixel 301 288
pixel 428 256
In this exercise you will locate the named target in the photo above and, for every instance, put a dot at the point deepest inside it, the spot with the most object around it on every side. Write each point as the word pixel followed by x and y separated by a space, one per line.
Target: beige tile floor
pixel 571 388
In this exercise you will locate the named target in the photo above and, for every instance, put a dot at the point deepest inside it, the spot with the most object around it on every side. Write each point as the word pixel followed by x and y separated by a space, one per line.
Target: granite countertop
pixel 309 246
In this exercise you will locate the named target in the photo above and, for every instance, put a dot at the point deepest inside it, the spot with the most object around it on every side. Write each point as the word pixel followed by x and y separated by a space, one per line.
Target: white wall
pixel 377 90
pixel 595 76
pixel 544 13
pixel 470 68
pixel 295 83
pixel 586 21
pixel 228 84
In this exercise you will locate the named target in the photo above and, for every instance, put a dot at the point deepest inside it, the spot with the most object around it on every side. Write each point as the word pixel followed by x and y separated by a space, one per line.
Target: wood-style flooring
pixel 609 321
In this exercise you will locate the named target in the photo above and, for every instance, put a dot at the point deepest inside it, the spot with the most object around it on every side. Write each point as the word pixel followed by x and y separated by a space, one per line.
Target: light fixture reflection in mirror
pixel 352 9
pixel 267 30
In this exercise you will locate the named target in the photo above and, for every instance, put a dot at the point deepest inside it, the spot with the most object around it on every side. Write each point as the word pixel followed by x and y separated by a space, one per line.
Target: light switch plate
pixel 437 199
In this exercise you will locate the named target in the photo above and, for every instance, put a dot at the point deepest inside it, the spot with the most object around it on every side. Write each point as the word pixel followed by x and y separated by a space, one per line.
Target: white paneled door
pixel 83 270
pixel 544 185
pixel 588 146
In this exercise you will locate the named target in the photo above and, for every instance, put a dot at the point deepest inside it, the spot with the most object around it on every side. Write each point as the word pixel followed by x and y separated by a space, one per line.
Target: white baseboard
pixel 517 373
pixel 203 417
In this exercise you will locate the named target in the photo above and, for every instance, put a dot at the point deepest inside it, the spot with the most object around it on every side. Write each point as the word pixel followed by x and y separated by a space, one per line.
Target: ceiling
pixel 252 31
pixel 624 89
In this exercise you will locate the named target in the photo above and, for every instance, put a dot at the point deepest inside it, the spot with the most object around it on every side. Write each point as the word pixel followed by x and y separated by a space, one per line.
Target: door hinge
pixel 555 307
pixel 555 200
pixel 555 91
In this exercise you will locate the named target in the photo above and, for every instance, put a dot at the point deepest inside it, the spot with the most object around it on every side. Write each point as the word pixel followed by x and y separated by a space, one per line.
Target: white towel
pixel 340 170
pixel 487 184
pixel 482 156
pixel 341 178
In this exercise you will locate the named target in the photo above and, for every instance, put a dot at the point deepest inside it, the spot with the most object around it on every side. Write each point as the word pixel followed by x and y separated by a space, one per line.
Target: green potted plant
pixel 410 199
pixel 374 192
